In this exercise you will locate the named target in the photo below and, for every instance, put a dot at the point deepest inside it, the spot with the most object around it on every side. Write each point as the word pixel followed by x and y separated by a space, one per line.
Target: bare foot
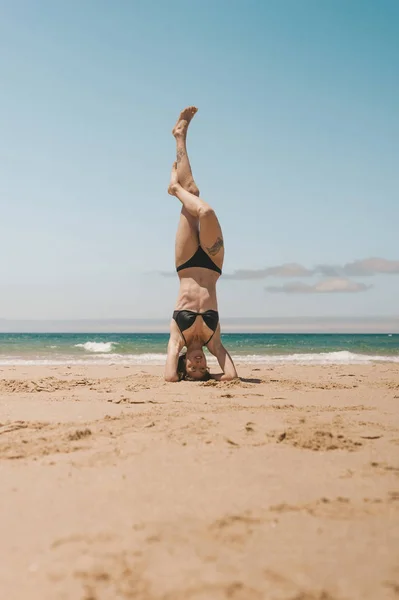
pixel 183 121
pixel 174 182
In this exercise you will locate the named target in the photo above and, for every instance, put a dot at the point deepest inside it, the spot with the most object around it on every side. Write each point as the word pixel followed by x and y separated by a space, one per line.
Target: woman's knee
pixel 206 211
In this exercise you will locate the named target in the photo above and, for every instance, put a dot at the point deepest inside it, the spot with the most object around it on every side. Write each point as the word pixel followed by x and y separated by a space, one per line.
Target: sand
pixel 116 485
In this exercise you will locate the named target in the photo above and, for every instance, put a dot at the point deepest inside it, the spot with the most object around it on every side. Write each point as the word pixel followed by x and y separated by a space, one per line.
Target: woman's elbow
pixel 171 378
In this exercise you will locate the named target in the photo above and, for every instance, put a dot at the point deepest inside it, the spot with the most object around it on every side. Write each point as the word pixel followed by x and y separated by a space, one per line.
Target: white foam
pixel 104 357
pixel 342 357
pixel 97 346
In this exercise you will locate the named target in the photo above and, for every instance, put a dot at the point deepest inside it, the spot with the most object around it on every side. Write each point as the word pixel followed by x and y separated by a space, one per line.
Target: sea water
pixel 150 349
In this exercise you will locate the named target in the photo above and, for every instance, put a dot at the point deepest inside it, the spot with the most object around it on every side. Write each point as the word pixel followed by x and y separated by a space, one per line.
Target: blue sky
pixel 296 145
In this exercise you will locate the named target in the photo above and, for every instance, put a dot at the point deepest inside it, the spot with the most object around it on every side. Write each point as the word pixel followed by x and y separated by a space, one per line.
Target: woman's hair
pixel 181 367
pixel 182 373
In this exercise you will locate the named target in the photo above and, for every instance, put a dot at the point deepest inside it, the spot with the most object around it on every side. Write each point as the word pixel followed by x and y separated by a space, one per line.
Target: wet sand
pixel 116 485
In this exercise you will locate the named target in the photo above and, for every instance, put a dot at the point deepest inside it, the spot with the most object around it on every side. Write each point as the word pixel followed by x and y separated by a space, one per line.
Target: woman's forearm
pixel 171 362
pixel 226 364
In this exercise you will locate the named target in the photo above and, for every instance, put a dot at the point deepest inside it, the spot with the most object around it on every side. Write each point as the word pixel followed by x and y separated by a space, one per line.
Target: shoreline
pixel 109 360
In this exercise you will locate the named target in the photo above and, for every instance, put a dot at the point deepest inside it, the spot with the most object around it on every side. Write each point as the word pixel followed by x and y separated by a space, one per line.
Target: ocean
pixel 150 349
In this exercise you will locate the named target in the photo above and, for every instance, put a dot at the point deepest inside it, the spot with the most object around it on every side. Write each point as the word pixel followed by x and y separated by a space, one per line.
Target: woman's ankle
pixel 174 188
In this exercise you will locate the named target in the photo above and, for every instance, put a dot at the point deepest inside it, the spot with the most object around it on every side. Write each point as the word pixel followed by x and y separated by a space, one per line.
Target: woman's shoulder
pixel 175 338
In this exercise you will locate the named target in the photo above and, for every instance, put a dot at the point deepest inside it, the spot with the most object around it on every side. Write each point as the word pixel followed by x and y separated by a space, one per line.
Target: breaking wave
pixel 97 346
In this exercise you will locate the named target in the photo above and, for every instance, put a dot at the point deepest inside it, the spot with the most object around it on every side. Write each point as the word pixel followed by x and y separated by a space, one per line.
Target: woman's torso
pixel 197 293
pixel 197 290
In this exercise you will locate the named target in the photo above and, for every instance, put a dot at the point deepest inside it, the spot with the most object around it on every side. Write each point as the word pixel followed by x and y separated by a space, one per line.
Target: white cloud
pixel 336 285
pixel 372 266
pixel 285 270
pixel 358 268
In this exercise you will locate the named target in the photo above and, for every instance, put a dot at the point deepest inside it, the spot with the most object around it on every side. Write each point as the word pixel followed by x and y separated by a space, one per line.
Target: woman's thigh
pixel 187 239
pixel 211 237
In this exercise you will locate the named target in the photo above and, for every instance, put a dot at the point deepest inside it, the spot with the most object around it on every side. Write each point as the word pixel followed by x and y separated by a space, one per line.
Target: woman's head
pixel 192 366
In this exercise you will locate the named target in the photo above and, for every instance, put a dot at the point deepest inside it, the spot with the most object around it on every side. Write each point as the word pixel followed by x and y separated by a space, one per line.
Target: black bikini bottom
pixel 200 259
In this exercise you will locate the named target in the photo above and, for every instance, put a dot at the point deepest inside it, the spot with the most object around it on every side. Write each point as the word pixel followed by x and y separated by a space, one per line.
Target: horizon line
pixel 287 325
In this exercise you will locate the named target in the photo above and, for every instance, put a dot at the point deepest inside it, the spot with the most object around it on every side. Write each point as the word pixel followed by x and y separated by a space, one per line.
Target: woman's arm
pixel 224 359
pixel 174 346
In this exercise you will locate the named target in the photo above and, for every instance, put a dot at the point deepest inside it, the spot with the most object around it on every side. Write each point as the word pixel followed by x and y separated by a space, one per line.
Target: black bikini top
pixel 186 318
pixel 200 259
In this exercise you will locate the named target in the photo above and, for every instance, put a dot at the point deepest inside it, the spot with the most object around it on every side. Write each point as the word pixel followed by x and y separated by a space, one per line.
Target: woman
pixel 199 261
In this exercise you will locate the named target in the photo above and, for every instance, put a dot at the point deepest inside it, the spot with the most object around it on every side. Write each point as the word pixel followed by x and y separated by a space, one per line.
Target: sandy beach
pixel 282 486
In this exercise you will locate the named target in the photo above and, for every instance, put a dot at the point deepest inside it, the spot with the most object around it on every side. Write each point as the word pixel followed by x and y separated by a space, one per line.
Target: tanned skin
pixel 198 225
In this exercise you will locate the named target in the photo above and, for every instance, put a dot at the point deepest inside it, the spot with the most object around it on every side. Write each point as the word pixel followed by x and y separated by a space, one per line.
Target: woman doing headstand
pixel 199 261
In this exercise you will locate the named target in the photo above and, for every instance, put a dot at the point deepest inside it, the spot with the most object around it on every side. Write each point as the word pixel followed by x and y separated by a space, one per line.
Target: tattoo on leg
pixel 180 153
pixel 213 250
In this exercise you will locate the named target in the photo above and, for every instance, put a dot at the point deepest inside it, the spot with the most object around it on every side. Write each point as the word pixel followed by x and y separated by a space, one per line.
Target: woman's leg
pixel 187 235
pixel 184 173
pixel 187 238
pixel 198 221
pixel 210 232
